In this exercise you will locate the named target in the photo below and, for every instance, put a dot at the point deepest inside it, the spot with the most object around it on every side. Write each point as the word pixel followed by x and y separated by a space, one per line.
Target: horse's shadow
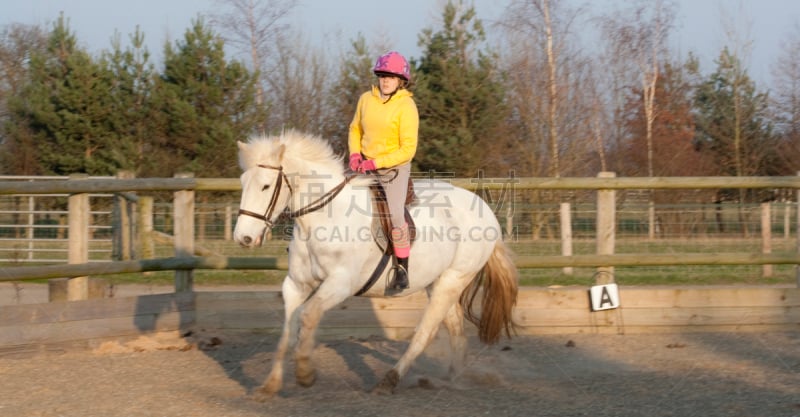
pixel 355 353
pixel 234 351
pixel 246 355
pixel 247 358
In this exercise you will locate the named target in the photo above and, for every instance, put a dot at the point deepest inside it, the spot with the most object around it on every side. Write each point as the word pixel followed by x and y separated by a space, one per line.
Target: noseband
pixel 314 206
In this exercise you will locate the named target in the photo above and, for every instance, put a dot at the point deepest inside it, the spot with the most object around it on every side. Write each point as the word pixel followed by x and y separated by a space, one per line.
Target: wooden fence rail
pixel 185 185
pixel 186 263
pixel 561 183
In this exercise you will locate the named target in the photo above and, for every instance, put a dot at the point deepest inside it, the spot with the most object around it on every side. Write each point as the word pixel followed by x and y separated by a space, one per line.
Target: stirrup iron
pixel 400 281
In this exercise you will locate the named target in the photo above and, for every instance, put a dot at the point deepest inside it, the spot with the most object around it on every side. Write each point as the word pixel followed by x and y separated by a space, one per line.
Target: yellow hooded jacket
pixel 385 132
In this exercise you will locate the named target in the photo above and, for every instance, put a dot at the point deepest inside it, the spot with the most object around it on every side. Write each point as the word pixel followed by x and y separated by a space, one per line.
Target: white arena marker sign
pixel 604 297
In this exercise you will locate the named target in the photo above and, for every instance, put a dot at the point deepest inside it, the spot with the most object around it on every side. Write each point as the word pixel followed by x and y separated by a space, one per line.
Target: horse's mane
pixel 300 149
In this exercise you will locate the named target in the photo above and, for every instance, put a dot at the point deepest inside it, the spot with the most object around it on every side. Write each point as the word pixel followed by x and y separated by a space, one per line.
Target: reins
pixel 388 177
pixel 317 204
pixel 323 200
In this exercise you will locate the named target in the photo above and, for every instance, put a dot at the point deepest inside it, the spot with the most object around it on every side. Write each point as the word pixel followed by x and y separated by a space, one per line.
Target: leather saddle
pixel 382 230
pixel 381 218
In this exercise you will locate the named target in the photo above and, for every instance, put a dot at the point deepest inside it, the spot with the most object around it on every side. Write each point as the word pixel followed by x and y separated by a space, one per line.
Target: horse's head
pixel 265 190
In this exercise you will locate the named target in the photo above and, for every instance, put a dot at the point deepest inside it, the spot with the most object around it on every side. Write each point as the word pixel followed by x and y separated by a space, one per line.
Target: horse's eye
pixel 265 188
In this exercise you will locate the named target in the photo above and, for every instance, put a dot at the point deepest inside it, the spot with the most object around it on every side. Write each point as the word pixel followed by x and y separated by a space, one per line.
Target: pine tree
pixel 459 96
pixel 131 80
pixel 65 109
pixel 733 123
pixel 206 104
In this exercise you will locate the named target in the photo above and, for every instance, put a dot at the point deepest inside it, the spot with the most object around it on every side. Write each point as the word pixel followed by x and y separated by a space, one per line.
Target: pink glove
pixel 355 161
pixel 367 165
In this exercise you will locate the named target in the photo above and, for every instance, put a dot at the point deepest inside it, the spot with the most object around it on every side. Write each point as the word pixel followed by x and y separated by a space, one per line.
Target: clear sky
pixel 333 23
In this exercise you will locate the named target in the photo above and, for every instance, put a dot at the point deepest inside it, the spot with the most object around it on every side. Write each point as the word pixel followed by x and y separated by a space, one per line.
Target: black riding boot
pixel 401 274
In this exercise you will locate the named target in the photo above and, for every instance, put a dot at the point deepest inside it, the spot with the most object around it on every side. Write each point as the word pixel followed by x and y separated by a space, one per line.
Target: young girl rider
pixel 383 138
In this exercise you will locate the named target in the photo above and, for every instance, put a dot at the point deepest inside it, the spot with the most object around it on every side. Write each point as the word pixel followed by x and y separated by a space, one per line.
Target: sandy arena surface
pixel 213 374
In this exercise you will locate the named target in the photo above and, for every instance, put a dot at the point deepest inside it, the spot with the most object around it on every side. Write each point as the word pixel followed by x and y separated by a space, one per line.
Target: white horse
pixel 332 253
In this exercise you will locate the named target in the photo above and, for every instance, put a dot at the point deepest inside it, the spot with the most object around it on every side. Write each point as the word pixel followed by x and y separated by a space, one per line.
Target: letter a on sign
pixel 604 297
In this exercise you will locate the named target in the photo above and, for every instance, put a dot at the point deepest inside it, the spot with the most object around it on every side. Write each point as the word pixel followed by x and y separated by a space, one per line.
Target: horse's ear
pixel 281 150
pixel 241 145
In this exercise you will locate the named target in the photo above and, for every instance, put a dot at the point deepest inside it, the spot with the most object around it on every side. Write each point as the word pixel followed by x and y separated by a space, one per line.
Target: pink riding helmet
pixel 392 63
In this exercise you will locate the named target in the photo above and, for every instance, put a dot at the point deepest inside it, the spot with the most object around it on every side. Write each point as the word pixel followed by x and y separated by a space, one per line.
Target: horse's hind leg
pixel 454 322
pixel 444 295
pixel 293 296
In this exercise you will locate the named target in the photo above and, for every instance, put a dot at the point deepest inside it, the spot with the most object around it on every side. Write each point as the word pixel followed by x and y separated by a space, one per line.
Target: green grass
pixel 673 275
pixel 678 275
pixel 202 277
pixel 661 275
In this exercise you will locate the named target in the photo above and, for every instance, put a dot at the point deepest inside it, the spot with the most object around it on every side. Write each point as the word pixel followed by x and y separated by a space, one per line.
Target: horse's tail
pixel 499 281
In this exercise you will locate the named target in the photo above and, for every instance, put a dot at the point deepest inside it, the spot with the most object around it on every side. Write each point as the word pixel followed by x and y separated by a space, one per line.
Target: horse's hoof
pixel 387 384
pixel 382 389
pixel 263 394
pixel 454 373
pixel 306 379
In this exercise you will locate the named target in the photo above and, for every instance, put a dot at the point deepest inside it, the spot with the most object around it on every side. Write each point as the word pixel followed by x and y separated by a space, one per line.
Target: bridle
pixel 314 206
pixel 273 200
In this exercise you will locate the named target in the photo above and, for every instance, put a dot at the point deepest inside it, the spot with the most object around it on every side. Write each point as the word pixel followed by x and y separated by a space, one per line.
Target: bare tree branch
pixel 254 27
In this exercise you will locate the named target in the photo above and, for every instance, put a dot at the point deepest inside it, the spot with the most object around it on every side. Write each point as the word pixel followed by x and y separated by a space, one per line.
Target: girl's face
pixel 388 84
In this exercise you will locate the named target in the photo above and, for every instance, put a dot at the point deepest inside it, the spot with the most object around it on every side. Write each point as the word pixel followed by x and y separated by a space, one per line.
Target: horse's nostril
pixel 247 240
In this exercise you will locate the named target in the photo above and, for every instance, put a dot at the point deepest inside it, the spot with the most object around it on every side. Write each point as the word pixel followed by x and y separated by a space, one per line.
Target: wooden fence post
pixel 122 228
pixel 146 247
pixel 787 220
pixel 183 210
pixel 606 226
pixel 797 236
pixel 228 221
pixel 651 216
pixel 566 234
pixel 766 236
pixel 78 219
pixel 29 231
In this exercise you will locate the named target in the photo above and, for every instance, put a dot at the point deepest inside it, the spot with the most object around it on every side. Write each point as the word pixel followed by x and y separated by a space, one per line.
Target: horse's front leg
pixel 293 296
pixel 327 296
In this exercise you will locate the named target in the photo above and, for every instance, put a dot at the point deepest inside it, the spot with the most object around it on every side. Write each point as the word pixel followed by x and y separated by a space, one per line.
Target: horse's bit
pixel 314 206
